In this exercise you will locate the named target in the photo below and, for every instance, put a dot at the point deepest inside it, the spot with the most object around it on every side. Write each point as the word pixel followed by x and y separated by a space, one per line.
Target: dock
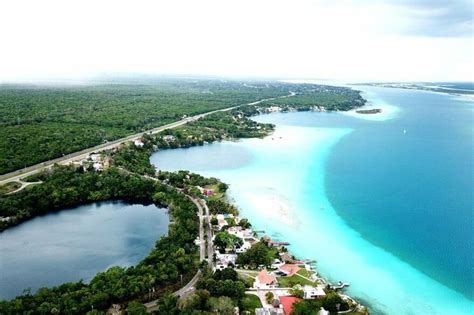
pixel 340 285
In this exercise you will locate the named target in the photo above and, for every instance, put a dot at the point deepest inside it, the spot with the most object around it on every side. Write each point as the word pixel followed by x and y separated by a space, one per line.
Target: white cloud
pixel 247 38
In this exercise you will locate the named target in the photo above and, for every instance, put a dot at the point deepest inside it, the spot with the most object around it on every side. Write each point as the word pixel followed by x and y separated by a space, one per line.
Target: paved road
pixel 16 175
pixel 210 245
pixel 190 286
pixel 202 242
pixel 184 291
pixel 23 186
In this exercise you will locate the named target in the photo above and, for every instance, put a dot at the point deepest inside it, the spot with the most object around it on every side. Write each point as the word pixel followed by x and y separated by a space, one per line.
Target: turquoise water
pixel 383 204
pixel 77 243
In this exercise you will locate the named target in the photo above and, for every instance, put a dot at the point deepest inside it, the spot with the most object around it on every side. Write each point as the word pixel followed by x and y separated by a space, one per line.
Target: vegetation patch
pixel 305 273
pixel 250 302
pixel 9 187
pixel 289 282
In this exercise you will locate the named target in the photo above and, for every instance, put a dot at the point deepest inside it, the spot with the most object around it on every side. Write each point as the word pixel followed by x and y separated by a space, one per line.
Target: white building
pixel 311 292
pixel 269 311
pixel 168 138
pixel 221 222
pixel 138 143
pixel 98 166
pixel 224 260
pixel 323 311
pixel 245 247
pixel 240 232
pixel 95 157
pixel 273 109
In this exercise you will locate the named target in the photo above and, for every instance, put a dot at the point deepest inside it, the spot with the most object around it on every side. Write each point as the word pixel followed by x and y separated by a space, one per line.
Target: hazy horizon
pixel 342 40
pixel 137 78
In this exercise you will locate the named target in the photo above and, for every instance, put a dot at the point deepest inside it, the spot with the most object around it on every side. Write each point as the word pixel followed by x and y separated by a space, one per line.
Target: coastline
pixel 388 111
pixel 287 157
pixel 377 277
pixel 369 261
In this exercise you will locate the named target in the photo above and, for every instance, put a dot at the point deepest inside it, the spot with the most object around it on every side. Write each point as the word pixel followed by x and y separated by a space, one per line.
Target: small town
pixel 285 282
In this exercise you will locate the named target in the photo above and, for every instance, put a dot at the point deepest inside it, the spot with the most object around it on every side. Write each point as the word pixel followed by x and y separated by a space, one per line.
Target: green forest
pixel 330 98
pixel 39 123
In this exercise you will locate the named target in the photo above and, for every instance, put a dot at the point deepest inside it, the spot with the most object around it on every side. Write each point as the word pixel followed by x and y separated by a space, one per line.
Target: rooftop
pixel 265 278
pixel 287 302
pixel 290 269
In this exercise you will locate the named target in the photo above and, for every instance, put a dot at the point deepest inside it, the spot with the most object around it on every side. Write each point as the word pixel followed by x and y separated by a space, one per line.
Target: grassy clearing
pixel 218 194
pixel 250 273
pixel 249 303
pixel 305 273
pixel 289 282
pixel 9 187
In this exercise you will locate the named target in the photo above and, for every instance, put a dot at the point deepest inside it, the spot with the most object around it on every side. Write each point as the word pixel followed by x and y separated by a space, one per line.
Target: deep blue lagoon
pixel 385 204
pixel 75 244
pixel 405 183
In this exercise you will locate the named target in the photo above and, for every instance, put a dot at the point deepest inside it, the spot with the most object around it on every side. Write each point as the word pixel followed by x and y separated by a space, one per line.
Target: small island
pixel 369 111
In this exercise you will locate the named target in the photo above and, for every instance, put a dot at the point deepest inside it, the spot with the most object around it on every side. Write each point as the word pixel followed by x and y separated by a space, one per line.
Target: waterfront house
pixel 285 257
pixel 240 232
pixel 272 243
pixel 168 138
pixel 289 269
pixel 5 219
pixel 208 192
pixel 205 191
pixel 311 292
pixel 265 280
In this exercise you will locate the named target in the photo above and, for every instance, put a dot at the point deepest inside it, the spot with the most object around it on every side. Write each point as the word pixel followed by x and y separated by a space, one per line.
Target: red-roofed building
pixel 289 269
pixel 264 280
pixel 287 302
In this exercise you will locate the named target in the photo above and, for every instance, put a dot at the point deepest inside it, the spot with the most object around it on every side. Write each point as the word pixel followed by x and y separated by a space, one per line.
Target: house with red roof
pixel 265 280
pixel 289 269
pixel 287 302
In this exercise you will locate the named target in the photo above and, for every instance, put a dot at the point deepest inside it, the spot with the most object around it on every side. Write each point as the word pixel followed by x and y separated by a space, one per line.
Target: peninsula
pixel 211 260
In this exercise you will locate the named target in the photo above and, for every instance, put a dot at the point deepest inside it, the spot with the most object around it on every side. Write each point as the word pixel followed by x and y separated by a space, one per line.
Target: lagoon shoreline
pixel 210 160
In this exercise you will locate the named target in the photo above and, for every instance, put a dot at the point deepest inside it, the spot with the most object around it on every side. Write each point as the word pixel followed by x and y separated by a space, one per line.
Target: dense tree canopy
pixel 258 254
pixel 41 123
pixel 332 302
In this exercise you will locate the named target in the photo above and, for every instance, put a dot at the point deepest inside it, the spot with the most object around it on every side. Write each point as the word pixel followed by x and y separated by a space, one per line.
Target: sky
pixel 363 40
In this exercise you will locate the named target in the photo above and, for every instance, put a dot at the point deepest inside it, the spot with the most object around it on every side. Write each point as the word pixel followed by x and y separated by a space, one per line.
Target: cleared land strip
pixel 18 174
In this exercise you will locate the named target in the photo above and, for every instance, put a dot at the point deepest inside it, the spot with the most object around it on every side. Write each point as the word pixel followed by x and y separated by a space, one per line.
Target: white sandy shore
pixel 271 192
pixel 269 202
pixel 285 144
pixel 464 97
pixel 276 207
